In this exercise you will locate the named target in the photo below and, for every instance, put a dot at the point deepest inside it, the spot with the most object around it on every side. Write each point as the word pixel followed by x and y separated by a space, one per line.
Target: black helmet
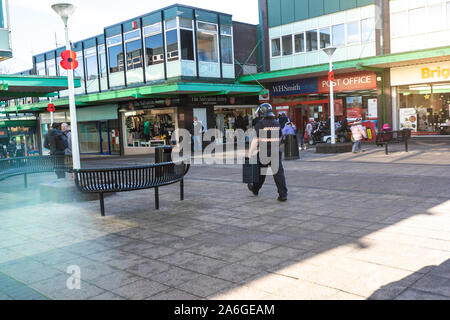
pixel 265 110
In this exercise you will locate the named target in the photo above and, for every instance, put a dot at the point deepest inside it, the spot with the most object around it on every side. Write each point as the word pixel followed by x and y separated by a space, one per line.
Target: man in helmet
pixel 268 132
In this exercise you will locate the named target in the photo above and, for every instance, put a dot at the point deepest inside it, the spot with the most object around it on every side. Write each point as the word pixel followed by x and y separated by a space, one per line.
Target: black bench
pixel 384 138
pixel 31 165
pixel 113 180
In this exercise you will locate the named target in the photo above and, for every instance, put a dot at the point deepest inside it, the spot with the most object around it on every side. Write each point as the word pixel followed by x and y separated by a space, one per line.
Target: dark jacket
pixel 283 120
pixel 56 142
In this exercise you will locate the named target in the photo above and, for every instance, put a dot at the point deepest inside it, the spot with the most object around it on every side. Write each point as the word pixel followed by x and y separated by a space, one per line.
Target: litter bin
pixel 163 154
pixel 291 148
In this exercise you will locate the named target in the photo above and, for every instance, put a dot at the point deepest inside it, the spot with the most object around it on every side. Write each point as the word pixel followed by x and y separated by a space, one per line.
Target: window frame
pixel 304 42
pixel 136 38
pixel 194 45
pixel 216 33
pixel 151 34
pixel 344 43
pixel 357 23
pixel 167 30
pixel 116 44
pixel 317 40
pixel 271 47
pixel 282 45
pixel 223 34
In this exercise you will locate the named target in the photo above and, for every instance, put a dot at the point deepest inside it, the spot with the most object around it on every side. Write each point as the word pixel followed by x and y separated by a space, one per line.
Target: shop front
pixel 98 128
pixel 307 100
pixel 422 98
pixel 18 138
pixel 147 124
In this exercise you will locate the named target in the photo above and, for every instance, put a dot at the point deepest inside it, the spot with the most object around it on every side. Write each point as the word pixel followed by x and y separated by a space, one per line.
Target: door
pixel 318 112
pixel 301 117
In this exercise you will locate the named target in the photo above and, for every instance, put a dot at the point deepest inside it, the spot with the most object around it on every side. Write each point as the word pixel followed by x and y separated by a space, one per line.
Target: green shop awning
pixel 386 61
pixel 155 91
pixel 17 123
pixel 18 86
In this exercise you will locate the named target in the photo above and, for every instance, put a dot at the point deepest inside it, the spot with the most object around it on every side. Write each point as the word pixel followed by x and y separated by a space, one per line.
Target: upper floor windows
pixel 153 40
pixel 207 42
pixel 313 40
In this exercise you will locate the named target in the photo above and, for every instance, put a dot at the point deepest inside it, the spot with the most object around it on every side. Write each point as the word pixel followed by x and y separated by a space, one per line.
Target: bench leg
pixel 157 198
pixel 182 190
pixel 102 204
pixel 406 145
pixel 387 150
pixel 25 181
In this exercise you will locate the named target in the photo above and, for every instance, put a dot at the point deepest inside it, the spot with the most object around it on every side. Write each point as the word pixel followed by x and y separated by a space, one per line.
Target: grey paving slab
pixel 140 290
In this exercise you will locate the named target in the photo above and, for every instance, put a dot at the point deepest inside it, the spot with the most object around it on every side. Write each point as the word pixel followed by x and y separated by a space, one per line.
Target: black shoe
pixel 250 187
pixel 282 199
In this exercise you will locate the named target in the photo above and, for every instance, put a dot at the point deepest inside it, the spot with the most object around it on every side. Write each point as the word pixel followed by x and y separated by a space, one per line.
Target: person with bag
pixel 268 132
pixel 359 133
pixel 56 142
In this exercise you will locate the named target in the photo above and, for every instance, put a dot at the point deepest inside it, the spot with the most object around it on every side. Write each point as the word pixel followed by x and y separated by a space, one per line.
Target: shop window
pixel 325 38
pixel 299 42
pixel 399 24
pixel 115 54
pixel 227 48
pixel 153 44
pixel 287 45
pixel 207 42
pixel 417 21
pixel 276 45
pixel 368 30
pixel 339 35
pixel 353 35
pixel 187 45
pixel 311 40
pixel 172 45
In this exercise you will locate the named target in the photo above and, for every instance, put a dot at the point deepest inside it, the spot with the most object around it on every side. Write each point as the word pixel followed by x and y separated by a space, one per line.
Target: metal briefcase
pixel 251 172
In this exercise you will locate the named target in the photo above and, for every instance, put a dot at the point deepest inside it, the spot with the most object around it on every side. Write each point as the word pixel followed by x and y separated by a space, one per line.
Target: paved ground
pixel 368 226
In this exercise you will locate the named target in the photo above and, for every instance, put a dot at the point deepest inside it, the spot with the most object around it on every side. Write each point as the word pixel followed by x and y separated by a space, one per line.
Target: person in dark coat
pixel 283 119
pixel 56 142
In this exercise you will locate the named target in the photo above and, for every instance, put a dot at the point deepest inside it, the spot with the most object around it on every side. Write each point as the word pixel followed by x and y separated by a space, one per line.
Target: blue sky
pixel 35 28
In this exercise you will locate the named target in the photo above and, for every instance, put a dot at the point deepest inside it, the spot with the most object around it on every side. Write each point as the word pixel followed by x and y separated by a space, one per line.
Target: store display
pixel 149 130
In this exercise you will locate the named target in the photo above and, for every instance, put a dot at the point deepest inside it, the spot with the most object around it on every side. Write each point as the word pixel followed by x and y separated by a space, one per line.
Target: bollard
pixel 163 154
pixel 291 148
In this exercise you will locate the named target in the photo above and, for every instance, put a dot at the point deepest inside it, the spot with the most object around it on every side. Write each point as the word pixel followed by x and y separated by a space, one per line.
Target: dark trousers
pixel 279 177
pixel 58 164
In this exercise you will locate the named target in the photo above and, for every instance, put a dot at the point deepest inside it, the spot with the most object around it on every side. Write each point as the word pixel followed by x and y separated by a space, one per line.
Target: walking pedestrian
pixel 56 142
pixel 264 141
pixel 359 133
pixel 197 134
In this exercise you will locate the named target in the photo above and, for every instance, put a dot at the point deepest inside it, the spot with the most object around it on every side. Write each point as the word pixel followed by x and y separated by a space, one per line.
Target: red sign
pixel 339 108
pixel 51 107
pixel 349 82
pixel 69 61
pixel 354 113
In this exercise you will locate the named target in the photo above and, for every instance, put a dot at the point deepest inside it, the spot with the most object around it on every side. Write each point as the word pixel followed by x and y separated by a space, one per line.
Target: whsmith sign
pixel 343 82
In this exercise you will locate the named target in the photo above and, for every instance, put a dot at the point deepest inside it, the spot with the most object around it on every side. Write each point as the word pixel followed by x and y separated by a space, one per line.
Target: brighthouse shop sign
pixel 287 88
pixel 424 73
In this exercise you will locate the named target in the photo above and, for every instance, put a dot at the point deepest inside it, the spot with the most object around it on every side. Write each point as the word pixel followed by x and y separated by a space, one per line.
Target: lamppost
pixel 330 51
pixel 65 10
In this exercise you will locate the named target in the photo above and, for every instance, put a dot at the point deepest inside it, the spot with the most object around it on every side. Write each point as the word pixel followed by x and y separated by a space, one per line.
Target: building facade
pixel 131 97
pixel 391 60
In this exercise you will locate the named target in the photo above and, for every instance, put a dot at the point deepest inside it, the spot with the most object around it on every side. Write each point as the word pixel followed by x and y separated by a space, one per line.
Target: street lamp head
pixel 64 10
pixel 330 51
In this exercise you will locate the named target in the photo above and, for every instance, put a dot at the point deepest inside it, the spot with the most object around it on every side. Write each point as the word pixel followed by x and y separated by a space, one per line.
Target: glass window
pixel 207 42
pixel 171 24
pixel 61 72
pixel 287 45
pixel 154 28
pixel 91 64
pixel 276 44
pixel 115 54
pixel 368 30
pixel 227 49
pixel 299 41
pixel 132 35
pixel 207 26
pixel 79 72
pixel 353 33
pixel 172 45
pixel 417 21
pixel 187 45
pixel 154 49
pixel 102 61
pixel 226 30
pixel 311 40
pixel 186 23
pixel 134 54
pixel 325 38
pixel 339 35
pixel 40 68
pixel 399 24
pixel 51 67
pixel 436 18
